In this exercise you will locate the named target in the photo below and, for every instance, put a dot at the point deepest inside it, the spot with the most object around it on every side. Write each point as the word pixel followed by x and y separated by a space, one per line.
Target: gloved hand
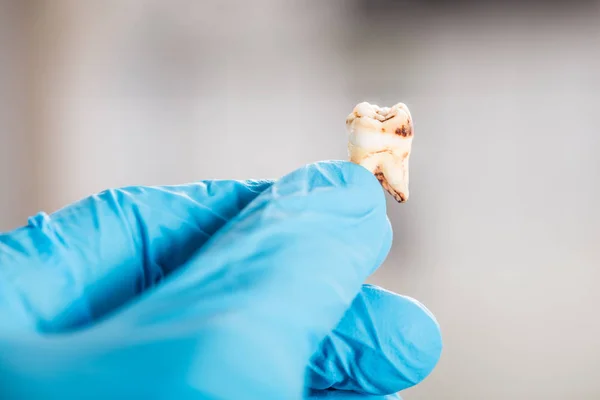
pixel 213 290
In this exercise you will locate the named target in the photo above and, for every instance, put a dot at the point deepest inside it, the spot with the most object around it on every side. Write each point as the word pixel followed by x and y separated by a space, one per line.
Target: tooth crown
pixel 380 139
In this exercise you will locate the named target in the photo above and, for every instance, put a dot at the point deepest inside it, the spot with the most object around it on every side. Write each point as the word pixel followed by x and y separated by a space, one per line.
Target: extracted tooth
pixel 380 139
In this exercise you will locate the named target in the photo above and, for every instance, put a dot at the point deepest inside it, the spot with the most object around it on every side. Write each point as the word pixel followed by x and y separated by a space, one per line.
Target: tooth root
pixel 391 170
pixel 394 177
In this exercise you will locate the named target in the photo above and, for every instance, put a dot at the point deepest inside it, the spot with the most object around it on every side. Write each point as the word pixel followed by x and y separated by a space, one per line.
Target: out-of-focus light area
pixel 500 236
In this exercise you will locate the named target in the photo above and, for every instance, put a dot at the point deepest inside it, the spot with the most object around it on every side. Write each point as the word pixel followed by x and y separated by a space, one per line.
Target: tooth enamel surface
pixel 380 139
pixel 365 110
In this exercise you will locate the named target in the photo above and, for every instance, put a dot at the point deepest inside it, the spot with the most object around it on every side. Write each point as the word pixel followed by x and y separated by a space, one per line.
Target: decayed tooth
pixel 380 139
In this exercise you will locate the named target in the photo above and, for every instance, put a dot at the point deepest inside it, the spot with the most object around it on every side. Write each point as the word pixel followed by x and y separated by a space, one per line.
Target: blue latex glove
pixel 214 290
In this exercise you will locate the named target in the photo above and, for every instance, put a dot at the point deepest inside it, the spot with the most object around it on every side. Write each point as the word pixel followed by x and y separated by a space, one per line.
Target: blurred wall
pixel 499 238
pixel 167 91
pixel 16 170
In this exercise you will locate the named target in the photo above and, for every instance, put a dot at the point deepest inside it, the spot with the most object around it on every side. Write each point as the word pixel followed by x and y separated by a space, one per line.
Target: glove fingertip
pixel 356 175
pixel 415 341
pixel 385 343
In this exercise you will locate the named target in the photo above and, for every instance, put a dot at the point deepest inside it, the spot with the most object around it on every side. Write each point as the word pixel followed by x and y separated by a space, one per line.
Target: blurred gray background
pixel 500 236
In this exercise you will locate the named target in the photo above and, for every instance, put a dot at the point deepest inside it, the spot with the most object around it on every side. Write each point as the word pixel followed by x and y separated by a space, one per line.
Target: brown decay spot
pixel 404 155
pixel 381 151
pixel 402 131
pixel 382 129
